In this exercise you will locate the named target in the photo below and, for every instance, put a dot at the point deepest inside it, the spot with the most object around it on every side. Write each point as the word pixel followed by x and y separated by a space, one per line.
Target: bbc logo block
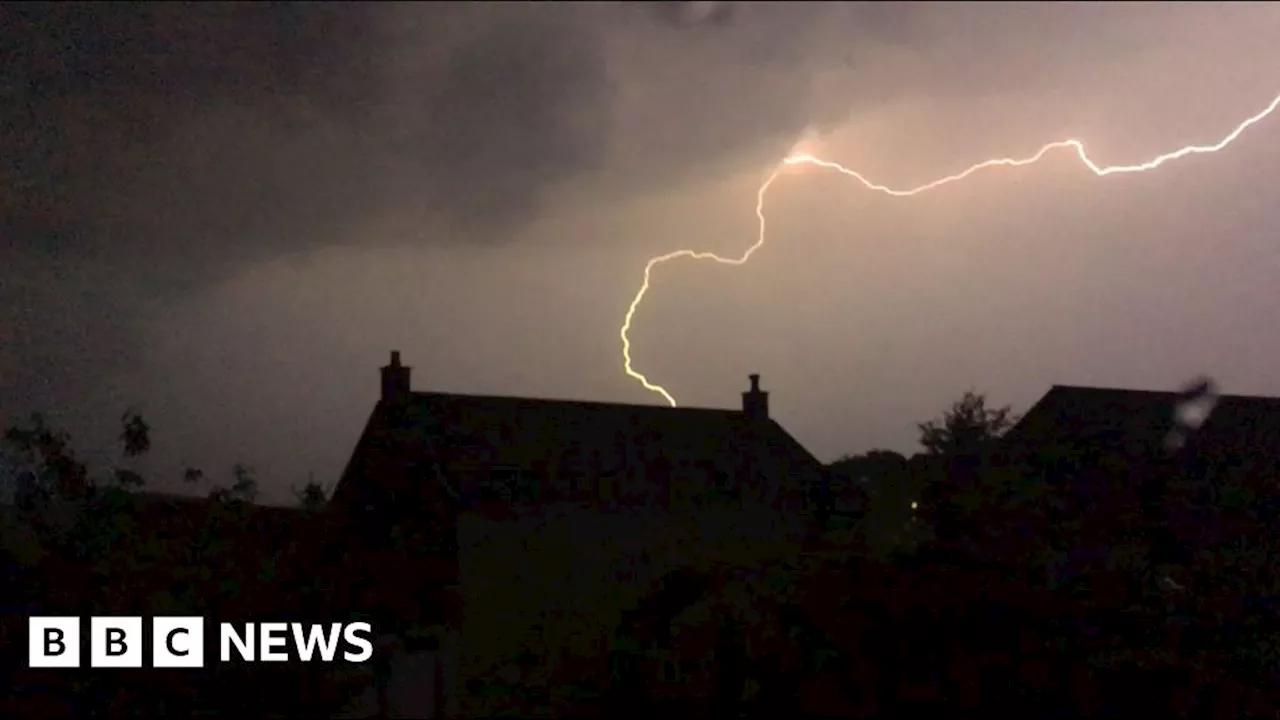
pixel 179 642
pixel 115 642
pixel 53 642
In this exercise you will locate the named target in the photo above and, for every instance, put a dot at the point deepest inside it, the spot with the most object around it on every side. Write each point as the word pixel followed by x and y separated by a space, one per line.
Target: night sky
pixel 226 216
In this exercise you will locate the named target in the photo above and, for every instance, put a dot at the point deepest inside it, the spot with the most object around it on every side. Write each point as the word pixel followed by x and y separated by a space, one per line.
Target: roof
pixel 270 522
pixel 1079 413
pixel 1141 420
pixel 505 427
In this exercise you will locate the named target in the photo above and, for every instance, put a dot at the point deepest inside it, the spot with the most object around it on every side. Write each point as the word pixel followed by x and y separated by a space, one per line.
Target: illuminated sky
pixel 226 216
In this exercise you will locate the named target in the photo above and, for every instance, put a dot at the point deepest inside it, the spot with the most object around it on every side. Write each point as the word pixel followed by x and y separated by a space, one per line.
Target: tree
pixel 950 473
pixel 856 479
pixel 68 508
pixel 246 486
pixel 871 465
pixel 44 464
pixel 878 488
pixel 312 496
pixel 967 428
pixel 244 489
pixel 136 435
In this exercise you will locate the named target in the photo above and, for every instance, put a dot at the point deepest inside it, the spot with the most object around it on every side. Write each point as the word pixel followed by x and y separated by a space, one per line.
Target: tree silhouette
pixel 955 487
pixel 136 435
pixel 45 466
pixel 870 465
pixel 312 496
pixel 967 428
pixel 878 488
pixel 857 479
pixel 243 489
pixel 246 486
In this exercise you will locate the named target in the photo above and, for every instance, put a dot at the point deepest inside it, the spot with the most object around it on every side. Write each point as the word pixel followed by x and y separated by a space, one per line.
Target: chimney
pixel 395 379
pixel 754 402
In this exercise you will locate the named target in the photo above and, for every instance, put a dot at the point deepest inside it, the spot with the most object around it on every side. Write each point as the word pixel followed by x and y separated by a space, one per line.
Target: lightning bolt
pixel 1075 146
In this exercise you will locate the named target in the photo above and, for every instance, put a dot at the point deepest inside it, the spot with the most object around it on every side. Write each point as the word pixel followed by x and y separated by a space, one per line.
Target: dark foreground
pixel 856 639
pixel 866 639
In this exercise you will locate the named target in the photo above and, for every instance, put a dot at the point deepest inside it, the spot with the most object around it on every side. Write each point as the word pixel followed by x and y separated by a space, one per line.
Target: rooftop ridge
pixel 148 496
pixel 418 394
pixel 1160 393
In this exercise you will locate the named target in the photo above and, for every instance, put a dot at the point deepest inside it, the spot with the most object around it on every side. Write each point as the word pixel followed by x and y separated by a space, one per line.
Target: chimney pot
pixel 395 380
pixel 755 403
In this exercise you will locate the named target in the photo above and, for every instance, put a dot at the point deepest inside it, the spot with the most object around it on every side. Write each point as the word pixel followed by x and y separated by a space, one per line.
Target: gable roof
pixel 1140 420
pixel 1069 413
pixel 505 428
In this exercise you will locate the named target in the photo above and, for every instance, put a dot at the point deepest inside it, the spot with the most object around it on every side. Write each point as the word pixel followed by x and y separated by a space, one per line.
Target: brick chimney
pixel 395 379
pixel 755 403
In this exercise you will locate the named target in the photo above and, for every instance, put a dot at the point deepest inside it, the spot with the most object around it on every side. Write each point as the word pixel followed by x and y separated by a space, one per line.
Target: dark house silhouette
pixel 1130 423
pixel 499 450
pixel 919 637
pixel 1207 439
pixel 1241 428
pixel 1137 461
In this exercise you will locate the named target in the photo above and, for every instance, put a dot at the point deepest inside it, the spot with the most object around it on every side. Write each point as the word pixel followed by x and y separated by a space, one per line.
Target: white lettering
pixel 273 636
pixel 314 642
pixel 352 636
pixel 244 644
pixel 307 644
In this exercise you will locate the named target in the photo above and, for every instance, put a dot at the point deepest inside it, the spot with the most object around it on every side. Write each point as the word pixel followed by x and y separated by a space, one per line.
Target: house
pixel 498 451
pixel 486 459
pixel 1196 467
pixel 1210 437
pixel 1132 423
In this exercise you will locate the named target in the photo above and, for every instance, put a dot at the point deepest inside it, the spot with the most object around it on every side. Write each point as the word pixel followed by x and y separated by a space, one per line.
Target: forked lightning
pixel 1074 146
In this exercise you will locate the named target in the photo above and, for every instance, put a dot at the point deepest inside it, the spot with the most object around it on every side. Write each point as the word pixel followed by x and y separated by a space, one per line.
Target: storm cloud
pixel 150 150
pixel 209 205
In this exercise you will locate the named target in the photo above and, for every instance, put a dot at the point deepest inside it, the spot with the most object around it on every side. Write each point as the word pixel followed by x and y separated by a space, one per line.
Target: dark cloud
pixel 221 133
pixel 161 163
pixel 684 13
pixel 159 147
pixel 150 150
pixel 205 136
pixel 518 109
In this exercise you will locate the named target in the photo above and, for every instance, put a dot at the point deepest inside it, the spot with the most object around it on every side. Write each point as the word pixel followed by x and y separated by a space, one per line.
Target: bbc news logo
pixel 178 642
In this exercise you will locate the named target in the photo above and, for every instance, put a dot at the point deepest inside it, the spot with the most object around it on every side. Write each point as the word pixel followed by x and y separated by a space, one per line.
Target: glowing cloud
pixel 801 156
